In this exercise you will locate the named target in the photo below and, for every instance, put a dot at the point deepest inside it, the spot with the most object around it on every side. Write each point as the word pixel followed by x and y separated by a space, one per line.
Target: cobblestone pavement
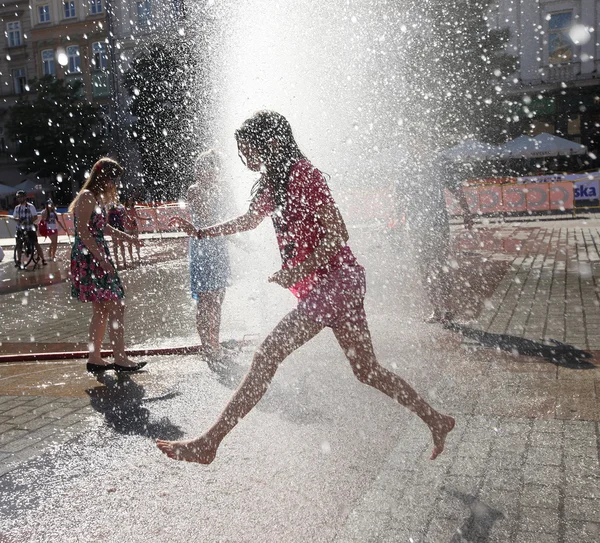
pixel 521 466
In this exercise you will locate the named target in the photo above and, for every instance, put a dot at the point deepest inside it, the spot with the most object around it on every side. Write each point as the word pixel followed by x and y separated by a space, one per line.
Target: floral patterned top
pixel 90 283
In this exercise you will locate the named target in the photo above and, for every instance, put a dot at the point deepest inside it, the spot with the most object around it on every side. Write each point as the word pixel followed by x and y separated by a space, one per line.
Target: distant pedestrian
pixel 422 201
pixel 318 267
pixel 50 220
pixel 93 274
pixel 26 217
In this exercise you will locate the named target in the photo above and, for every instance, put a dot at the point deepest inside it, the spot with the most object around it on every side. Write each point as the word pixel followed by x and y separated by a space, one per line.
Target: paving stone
pixel 582 509
pixel 544 456
pixel 38 401
pixel 464 484
pixel 582 487
pixel 543 475
pixel 550 426
pixel 451 507
pixel 540 496
pixel 442 530
pixel 363 526
pixel 10 435
pixel 582 532
pixel 21 420
pixel 59 412
pixel 537 519
pixel 582 466
pixel 17 411
pixel 506 460
pixel 529 537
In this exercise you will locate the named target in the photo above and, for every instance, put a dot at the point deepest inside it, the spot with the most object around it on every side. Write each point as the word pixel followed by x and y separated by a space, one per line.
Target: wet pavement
pixel 321 458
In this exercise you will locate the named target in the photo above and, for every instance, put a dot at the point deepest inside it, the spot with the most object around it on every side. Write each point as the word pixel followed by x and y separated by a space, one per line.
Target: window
pixel 100 58
pixel 13 33
pixel 559 43
pixel 74 60
pixel 44 14
pixel 95 7
pixel 178 9
pixel 144 11
pixel 69 9
pixel 19 80
pixel 48 62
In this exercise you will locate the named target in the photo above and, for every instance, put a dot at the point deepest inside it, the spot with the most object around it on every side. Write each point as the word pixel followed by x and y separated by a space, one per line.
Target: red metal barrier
pixel 159 219
pixel 69 355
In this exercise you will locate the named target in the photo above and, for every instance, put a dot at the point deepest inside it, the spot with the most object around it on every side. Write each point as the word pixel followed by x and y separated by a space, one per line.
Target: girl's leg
pixel 97 331
pixel 214 315
pixel 40 252
pixel 130 248
pixel 355 339
pixel 116 331
pixel 203 318
pixel 291 333
pixel 137 249
pixel 116 252
pixel 122 247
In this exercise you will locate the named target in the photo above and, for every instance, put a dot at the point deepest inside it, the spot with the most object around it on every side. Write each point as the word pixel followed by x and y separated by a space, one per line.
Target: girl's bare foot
pixel 440 429
pixel 196 450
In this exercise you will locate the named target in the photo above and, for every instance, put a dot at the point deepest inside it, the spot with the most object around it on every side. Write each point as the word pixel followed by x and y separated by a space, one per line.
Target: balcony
pixel 562 72
pixel 100 84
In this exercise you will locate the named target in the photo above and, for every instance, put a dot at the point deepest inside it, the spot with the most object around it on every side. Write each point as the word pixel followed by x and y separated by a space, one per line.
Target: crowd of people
pixel 318 267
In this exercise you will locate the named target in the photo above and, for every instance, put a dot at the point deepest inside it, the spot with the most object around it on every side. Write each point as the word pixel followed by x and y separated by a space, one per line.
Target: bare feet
pixel 441 428
pixel 196 450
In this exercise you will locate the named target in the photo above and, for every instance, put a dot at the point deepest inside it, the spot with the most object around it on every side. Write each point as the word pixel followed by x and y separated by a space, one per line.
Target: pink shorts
pixel 337 297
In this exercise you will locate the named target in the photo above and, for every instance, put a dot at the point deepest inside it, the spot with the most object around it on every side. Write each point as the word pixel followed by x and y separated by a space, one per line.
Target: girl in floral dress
pixel 93 274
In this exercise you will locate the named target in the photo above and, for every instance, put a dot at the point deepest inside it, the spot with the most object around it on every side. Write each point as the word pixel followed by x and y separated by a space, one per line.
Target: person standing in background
pixel 50 221
pixel 422 202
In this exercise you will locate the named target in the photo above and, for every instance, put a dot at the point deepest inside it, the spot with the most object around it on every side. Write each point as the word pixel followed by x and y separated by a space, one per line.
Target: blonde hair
pixel 106 169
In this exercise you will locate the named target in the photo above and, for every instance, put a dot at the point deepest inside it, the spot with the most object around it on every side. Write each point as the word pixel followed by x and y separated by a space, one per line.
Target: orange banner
pixel 516 198
pixel 562 196
pixel 490 200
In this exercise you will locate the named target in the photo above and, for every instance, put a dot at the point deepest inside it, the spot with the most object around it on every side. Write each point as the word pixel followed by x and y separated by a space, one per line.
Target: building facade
pixel 558 79
pixel 88 40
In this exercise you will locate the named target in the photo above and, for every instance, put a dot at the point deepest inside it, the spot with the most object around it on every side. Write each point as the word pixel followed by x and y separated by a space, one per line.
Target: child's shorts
pixel 339 296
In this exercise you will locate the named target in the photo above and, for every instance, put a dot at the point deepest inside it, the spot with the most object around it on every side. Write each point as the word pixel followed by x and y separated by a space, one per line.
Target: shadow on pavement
pixel 552 351
pixel 478 526
pixel 121 400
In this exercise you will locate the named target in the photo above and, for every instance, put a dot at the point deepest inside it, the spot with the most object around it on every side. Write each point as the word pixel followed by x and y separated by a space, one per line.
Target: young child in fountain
pixel 318 267
pixel 209 258
pixel 93 274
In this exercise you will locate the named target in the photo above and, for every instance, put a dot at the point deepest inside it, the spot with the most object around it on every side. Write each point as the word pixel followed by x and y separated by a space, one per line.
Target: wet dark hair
pixel 271 135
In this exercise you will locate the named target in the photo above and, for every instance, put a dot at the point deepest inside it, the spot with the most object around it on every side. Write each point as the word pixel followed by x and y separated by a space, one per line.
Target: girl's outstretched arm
pixel 243 223
pixel 336 236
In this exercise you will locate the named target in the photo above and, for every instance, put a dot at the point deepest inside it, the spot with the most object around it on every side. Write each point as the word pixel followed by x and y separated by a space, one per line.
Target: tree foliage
pixel 58 133
pixel 162 86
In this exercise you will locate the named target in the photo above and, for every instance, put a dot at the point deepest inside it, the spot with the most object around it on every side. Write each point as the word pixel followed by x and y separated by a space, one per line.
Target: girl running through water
pixel 318 267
